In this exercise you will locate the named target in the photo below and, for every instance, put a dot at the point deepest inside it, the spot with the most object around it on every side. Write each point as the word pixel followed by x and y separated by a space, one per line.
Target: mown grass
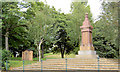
pixel 70 56
pixel 48 56
pixel 17 62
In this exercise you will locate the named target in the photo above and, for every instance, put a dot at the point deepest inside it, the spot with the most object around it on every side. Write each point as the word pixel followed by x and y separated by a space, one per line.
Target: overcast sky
pixel 64 5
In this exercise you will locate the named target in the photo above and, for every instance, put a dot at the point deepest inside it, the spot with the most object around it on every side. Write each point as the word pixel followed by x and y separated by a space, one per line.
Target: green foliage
pixel 105 34
pixel 13 27
pixel 74 21
pixel 61 38
pixel 5 57
pixel 66 28
pixel 35 51
pixel 75 51
pixel 39 25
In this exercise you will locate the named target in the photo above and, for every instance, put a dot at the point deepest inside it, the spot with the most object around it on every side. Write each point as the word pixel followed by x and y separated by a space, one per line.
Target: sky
pixel 64 5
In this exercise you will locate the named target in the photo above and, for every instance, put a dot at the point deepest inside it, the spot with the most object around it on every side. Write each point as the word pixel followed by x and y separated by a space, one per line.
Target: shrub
pixel 5 56
pixel 16 58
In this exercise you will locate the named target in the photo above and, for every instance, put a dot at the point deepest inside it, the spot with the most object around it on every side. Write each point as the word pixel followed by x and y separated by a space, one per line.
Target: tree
pixel 13 25
pixel 106 29
pixel 75 20
pixel 39 24
pixel 66 28
pixel 61 39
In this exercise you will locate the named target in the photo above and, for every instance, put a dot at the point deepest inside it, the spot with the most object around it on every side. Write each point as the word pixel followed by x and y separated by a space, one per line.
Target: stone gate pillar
pixel 86 47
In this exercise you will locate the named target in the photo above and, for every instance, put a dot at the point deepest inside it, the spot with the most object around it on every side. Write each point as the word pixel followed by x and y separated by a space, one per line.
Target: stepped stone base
pixel 87 54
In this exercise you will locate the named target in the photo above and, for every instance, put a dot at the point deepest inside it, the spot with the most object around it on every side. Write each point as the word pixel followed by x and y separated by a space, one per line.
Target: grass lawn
pixel 57 56
pixel 17 62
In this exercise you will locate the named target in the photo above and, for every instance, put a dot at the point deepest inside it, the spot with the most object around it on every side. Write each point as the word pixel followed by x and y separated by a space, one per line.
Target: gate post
pixel 66 64
pixel 98 63
pixel 23 65
pixel 41 65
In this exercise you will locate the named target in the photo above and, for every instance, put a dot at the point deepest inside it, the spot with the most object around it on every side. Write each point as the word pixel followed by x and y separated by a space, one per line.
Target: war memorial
pixel 86 61
pixel 86 48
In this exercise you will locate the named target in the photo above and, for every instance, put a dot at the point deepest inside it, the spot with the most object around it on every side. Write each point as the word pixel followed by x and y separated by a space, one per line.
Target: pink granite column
pixel 86 48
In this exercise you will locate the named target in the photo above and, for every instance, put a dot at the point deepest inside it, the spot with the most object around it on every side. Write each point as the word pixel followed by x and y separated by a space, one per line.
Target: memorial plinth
pixel 86 47
pixel 27 55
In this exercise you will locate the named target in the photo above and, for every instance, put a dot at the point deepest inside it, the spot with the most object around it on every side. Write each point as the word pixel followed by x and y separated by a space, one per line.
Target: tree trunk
pixel 79 41
pixel 6 41
pixel 62 55
pixel 62 51
pixel 42 56
pixel 39 49
pixel 37 53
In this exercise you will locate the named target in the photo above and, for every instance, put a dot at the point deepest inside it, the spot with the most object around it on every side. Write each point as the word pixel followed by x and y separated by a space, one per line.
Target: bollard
pixel 98 63
pixel 41 65
pixel 23 65
pixel 66 64
pixel 6 65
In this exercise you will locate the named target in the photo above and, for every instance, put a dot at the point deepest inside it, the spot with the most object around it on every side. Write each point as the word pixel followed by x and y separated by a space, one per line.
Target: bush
pixel 16 58
pixel 5 56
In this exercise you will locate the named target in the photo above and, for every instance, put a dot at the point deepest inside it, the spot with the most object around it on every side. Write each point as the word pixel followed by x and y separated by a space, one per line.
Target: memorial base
pixel 86 54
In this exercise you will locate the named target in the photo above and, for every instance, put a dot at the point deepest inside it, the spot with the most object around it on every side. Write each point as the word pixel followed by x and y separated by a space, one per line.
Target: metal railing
pixel 71 64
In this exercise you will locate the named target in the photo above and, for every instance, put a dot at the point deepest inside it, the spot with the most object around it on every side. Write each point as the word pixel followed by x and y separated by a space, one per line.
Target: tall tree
pixel 68 27
pixel 106 29
pixel 75 20
pixel 12 22
pixel 61 38
pixel 39 24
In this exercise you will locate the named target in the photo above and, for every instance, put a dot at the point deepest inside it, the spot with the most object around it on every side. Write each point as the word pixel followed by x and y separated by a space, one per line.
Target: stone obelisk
pixel 86 47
